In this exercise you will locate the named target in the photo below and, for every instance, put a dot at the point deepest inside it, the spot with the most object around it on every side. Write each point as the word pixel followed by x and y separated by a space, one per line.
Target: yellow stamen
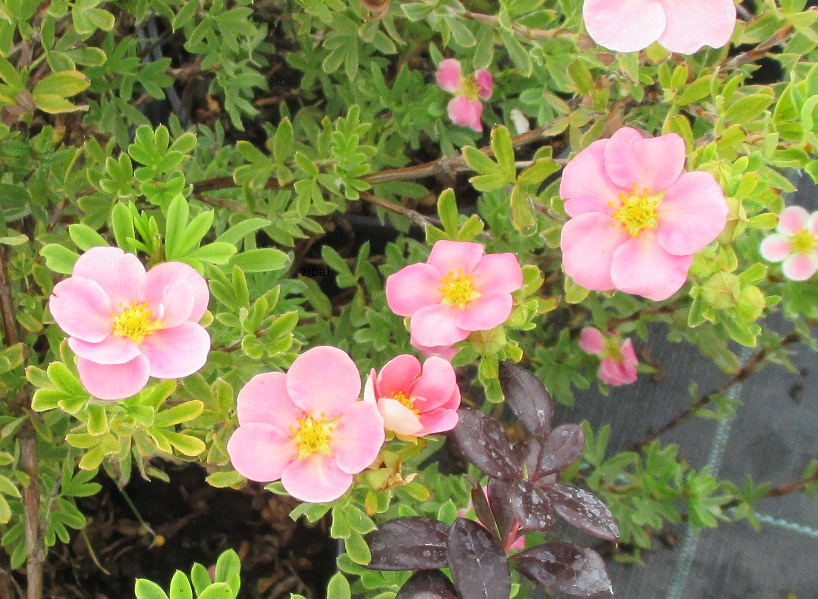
pixel 458 290
pixel 469 88
pixel 638 211
pixel 135 322
pixel 313 436
pixel 803 242
pixel 409 402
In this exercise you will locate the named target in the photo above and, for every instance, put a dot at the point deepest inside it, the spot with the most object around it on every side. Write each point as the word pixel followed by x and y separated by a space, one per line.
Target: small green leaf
pixel 85 237
pixel 180 587
pixel 338 587
pixel 63 84
pixel 261 260
pixel 145 589
pixel 219 590
pixel 519 55
pixel 283 142
pixel 447 210
pixel 357 549
pixel 175 227
pixel 178 414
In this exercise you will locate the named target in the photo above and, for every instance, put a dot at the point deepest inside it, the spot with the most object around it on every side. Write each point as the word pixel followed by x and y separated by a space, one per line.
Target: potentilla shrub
pixel 354 252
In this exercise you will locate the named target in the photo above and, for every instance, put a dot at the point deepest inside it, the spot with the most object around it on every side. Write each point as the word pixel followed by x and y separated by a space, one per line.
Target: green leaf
pixel 447 210
pixel 228 570
pixel 338 587
pixel 180 587
pixel 64 379
pixel 221 480
pixel 178 414
pixel 283 142
pixel 122 225
pixel 63 84
pixel 481 163
pixel 53 104
pixel 215 253
pixel 199 575
pixel 175 227
pixel 519 55
pixel 261 260
pixel 97 419
pixel 574 293
pixel 219 590
pixel 145 589
pixel 695 91
pixel 239 231
pixel 504 152
pixel 357 549
pixel 748 108
pixel 521 215
pixel 85 237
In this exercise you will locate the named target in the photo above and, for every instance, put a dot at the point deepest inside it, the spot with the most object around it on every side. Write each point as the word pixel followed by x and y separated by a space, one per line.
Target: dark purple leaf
pixel 479 566
pixel 482 509
pixel 563 446
pixel 584 510
pixel 429 584
pixel 521 502
pixel 527 453
pixel 528 397
pixel 410 543
pixel 482 441
pixel 565 567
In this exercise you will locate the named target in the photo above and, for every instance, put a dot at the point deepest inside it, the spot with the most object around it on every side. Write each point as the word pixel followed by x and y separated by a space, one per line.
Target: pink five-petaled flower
pixel 682 26
pixel 618 366
pixel 307 427
pixel 125 324
pixel 637 218
pixel 412 401
pixel 796 243
pixel 465 108
pixel 456 291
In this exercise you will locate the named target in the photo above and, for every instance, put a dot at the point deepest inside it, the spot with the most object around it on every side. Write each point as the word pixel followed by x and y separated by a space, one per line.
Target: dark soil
pixel 187 521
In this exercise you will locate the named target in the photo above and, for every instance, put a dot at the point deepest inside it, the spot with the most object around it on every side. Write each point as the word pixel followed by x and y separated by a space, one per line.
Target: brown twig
pixel 752 365
pixel 792 487
pixel 761 49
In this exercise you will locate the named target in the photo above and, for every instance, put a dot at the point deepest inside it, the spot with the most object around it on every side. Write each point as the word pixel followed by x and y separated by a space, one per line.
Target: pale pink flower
pixel 619 361
pixel 447 352
pixel 126 325
pixel 412 401
pixel 465 108
pixel 637 217
pixel 456 291
pixel 682 26
pixel 307 427
pixel 796 243
pixel 519 542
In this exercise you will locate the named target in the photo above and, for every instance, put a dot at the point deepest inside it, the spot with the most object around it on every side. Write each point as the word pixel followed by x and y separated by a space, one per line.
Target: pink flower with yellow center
pixel 465 108
pixel 619 361
pixel 307 427
pixel 126 325
pixel 415 401
pixel 795 243
pixel 679 25
pixel 458 290
pixel 637 217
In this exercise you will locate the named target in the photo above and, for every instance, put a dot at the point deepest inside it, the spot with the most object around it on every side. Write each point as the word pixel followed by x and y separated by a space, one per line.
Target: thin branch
pixel 792 487
pixel 413 215
pixel 761 49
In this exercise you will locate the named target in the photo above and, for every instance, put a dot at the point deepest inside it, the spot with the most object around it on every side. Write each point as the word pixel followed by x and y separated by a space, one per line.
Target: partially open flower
pixel 465 108
pixel 307 427
pixel 415 401
pixel 126 325
pixel 795 243
pixel 619 361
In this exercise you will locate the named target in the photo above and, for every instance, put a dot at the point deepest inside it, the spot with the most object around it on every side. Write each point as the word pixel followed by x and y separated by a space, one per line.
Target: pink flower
pixel 796 243
pixel 456 291
pixel 465 108
pixel 679 25
pixel 447 352
pixel 413 402
pixel 125 324
pixel 619 361
pixel 306 427
pixel 638 218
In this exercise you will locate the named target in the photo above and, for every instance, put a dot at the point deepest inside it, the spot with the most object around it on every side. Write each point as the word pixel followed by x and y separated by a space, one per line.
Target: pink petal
pixel 82 309
pixel 692 213
pixel 398 418
pixel 175 292
pixel 412 288
pixel 449 257
pixel 485 313
pixel 398 375
pixel 435 326
pixel 264 399
pixel 800 267
pixel 465 112
pixel 177 352
pixel 591 341
pixel 792 220
pixel 111 350
pixel 438 421
pixel 588 244
pixel 642 267
pixel 448 75
pixel 613 372
pixel 653 163
pixel 316 479
pixel 114 381
pixel 776 247
pixel 485 83
pixel 436 386
pixel 324 380
pixel 628 352
pixel 812 224
pixel 624 25
pixel 498 273
pixel 118 273
pixel 447 352
pixel 261 452
pixel 586 186
pixel 695 23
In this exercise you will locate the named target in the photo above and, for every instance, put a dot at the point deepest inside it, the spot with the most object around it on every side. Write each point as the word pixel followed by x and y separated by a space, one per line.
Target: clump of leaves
pixel 524 495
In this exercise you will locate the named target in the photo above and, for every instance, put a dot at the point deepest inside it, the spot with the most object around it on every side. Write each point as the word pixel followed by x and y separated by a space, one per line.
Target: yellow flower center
pixel 638 211
pixel 407 401
pixel 457 290
pixel 135 322
pixel 313 436
pixel 469 88
pixel 803 242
